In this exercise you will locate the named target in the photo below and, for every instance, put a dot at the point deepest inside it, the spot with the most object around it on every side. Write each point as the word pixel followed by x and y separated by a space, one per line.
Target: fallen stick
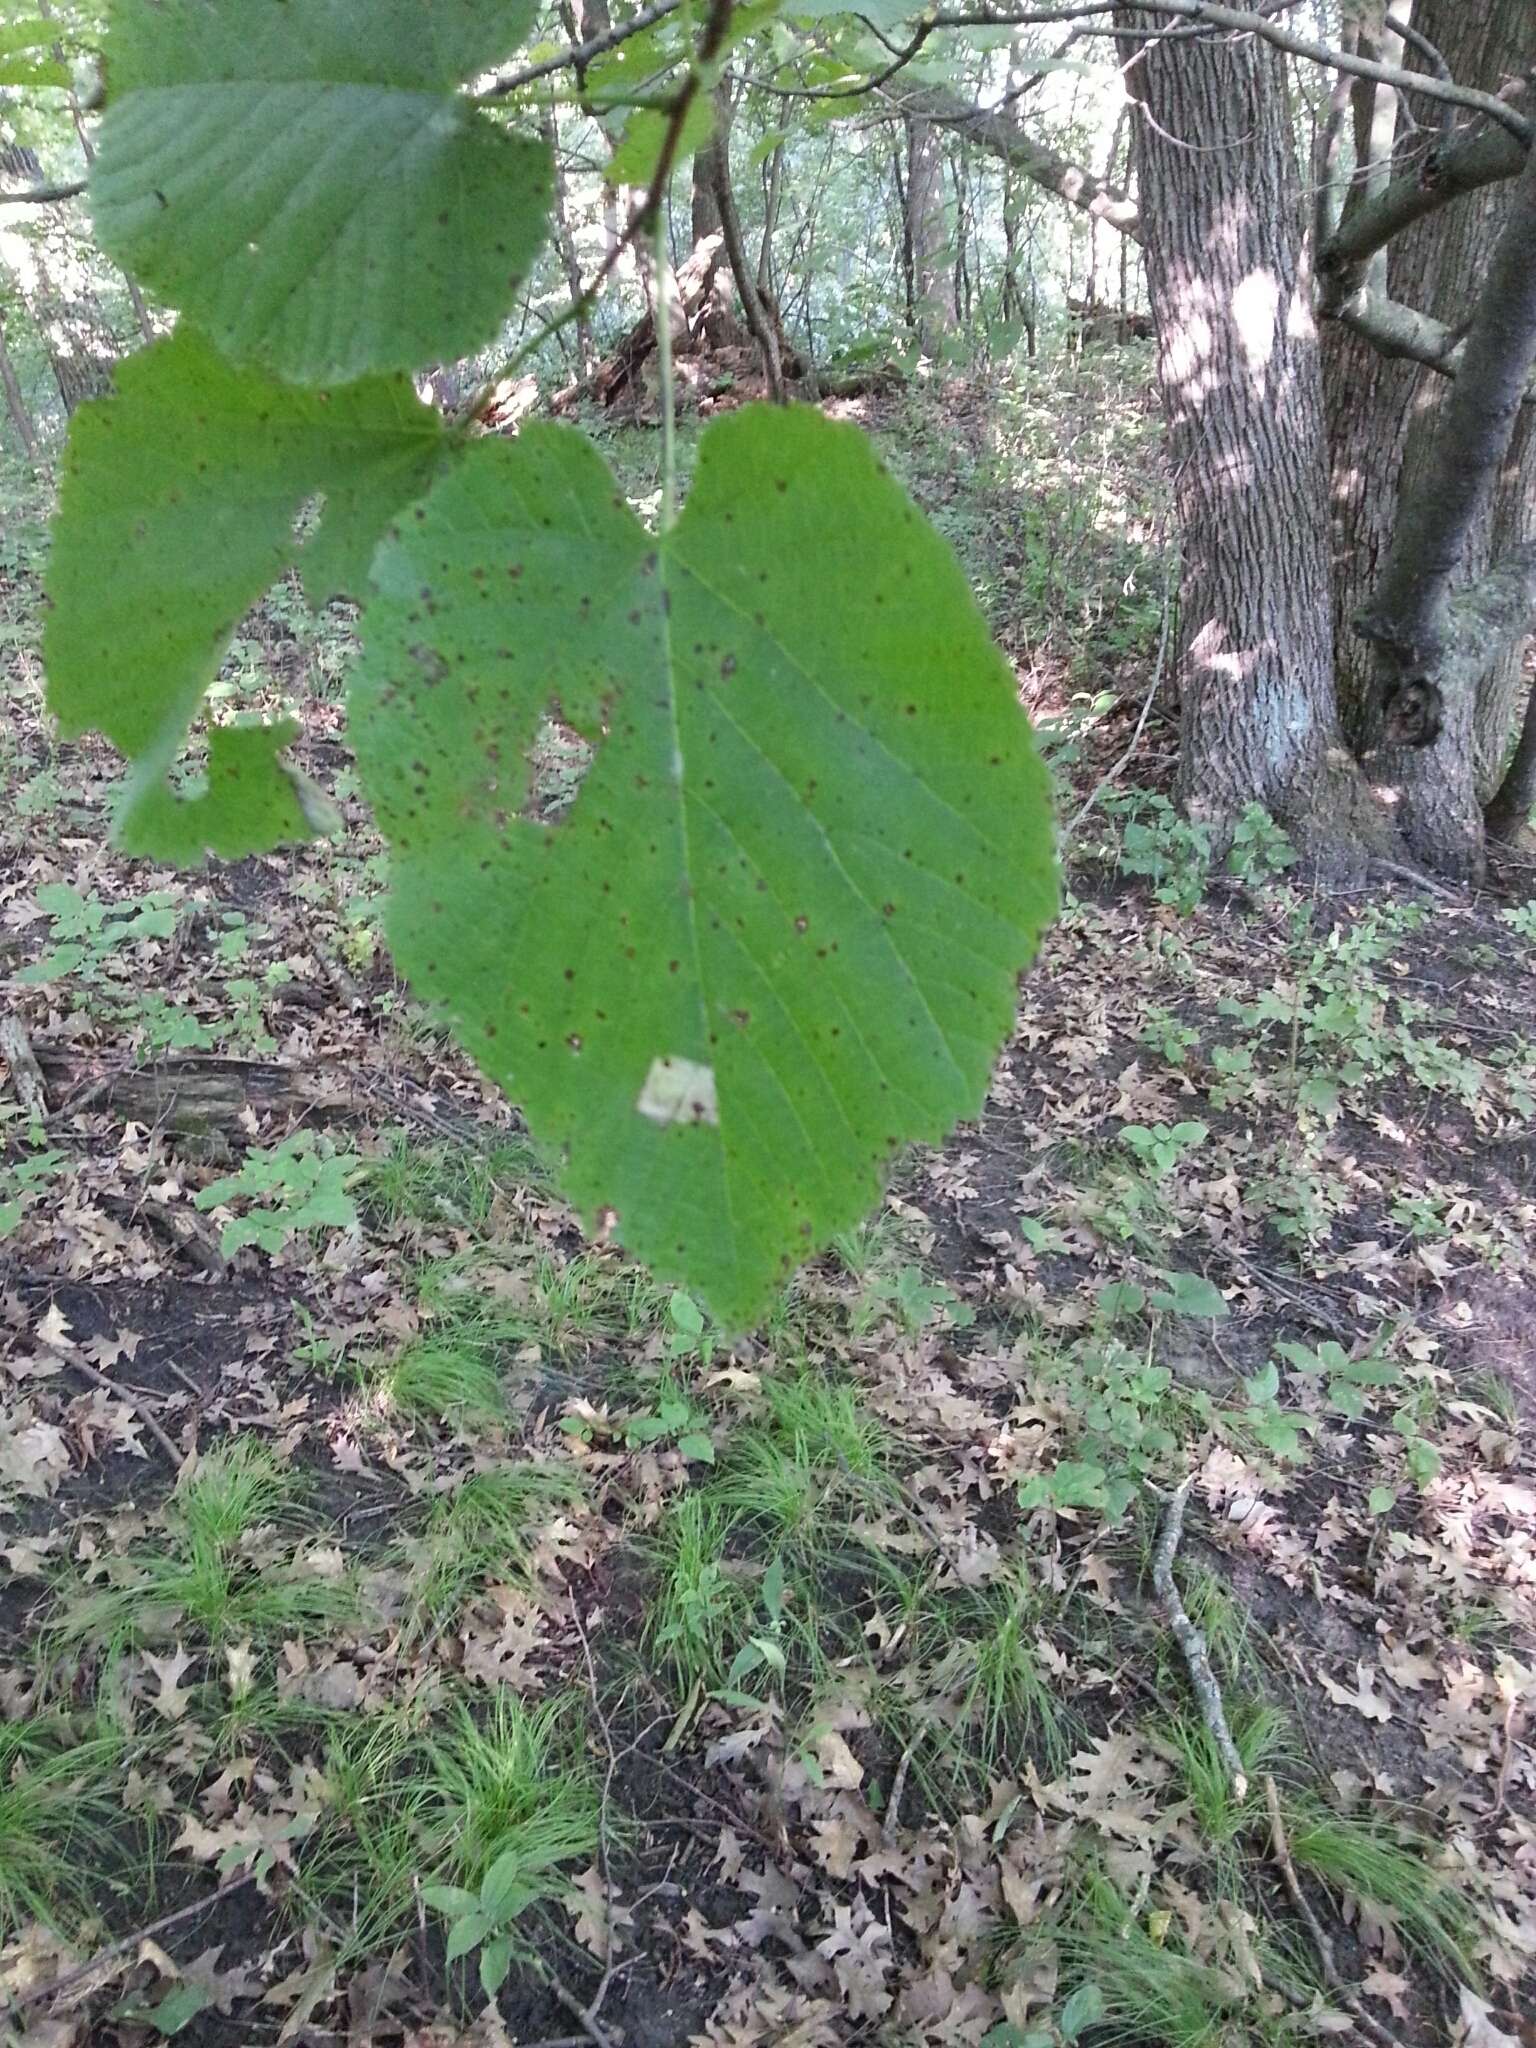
pixel 129 1401
pixel 78 1975
pixel 1191 1642
pixel 181 1230
pixel 26 1074
pixel 1280 1848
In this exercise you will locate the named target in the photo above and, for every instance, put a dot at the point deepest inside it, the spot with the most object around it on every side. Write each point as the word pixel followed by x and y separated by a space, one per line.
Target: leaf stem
pixel 668 396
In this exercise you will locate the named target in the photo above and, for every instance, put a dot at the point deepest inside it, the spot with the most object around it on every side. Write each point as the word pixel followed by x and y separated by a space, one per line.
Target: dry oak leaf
pixel 1365 1699
pixel 859 1951
pixel 172 1698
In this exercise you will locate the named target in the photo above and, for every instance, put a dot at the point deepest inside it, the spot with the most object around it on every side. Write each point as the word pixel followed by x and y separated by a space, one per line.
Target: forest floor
pixel 392 1584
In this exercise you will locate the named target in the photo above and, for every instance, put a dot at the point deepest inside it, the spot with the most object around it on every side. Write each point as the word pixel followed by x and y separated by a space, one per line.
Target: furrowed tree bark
pixel 1428 662
pixel 1240 374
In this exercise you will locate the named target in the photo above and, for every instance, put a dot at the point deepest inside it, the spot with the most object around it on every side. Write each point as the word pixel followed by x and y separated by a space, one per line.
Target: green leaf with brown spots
pixel 777 935
pixel 177 510
pixel 305 180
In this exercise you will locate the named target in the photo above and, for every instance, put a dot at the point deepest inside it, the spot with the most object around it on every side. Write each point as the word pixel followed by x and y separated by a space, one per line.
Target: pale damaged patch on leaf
pixel 679 1091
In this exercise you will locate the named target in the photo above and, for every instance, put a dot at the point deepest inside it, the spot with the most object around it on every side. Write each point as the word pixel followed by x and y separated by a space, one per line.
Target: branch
pixel 1191 1642
pixel 1280 1849
pixel 41 1993
pixel 577 56
pixel 1415 39
pixel 1398 331
pixel 43 195
pixel 1206 14
pixel 994 132
pixel 640 220
pixel 1446 173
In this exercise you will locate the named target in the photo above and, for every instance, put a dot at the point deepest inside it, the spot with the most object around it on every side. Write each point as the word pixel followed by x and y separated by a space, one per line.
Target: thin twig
pixel 1419 880
pixel 898 1792
pixel 577 56
pixel 1280 1848
pixel 1208 14
pixel 130 1401
pixel 42 1992
pixel 578 2012
pixel 1191 1641
pixel 1507 1757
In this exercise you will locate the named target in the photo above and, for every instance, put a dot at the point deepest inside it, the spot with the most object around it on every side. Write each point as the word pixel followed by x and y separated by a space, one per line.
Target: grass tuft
pixel 59 1818
pixel 1392 1871
pixel 439 1380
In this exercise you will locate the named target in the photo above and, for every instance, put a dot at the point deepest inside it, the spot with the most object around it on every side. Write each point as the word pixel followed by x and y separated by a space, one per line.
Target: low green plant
pixel 513 1804
pixel 1259 849
pixel 304 1183
pixel 1161 1147
pixel 359 1869
pixel 800 1471
pixel 672 1416
pixel 22 1181
pixel 1130 1416
pixel 86 932
pixel 700 1608
pixel 511 1782
pixel 1121 1983
pixel 1260 1734
pixel 1155 841
pixel 1167 1037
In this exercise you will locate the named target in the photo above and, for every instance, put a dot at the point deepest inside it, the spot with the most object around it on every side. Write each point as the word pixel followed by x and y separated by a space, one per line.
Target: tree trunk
pixel 761 316
pixel 1433 647
pixel 706 178
pixel 772 193
pixel 1240 374
pixel 1382 414
pixel 933 302
pixel 15 402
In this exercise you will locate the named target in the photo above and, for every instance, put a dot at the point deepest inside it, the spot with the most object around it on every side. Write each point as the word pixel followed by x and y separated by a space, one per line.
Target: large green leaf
pixel 177 510
pixel 303 179
pixel 778 933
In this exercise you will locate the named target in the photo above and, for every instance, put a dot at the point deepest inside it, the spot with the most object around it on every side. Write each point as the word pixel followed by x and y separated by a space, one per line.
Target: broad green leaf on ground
pixel 303 178
pixel 777 934
pixel 176 512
